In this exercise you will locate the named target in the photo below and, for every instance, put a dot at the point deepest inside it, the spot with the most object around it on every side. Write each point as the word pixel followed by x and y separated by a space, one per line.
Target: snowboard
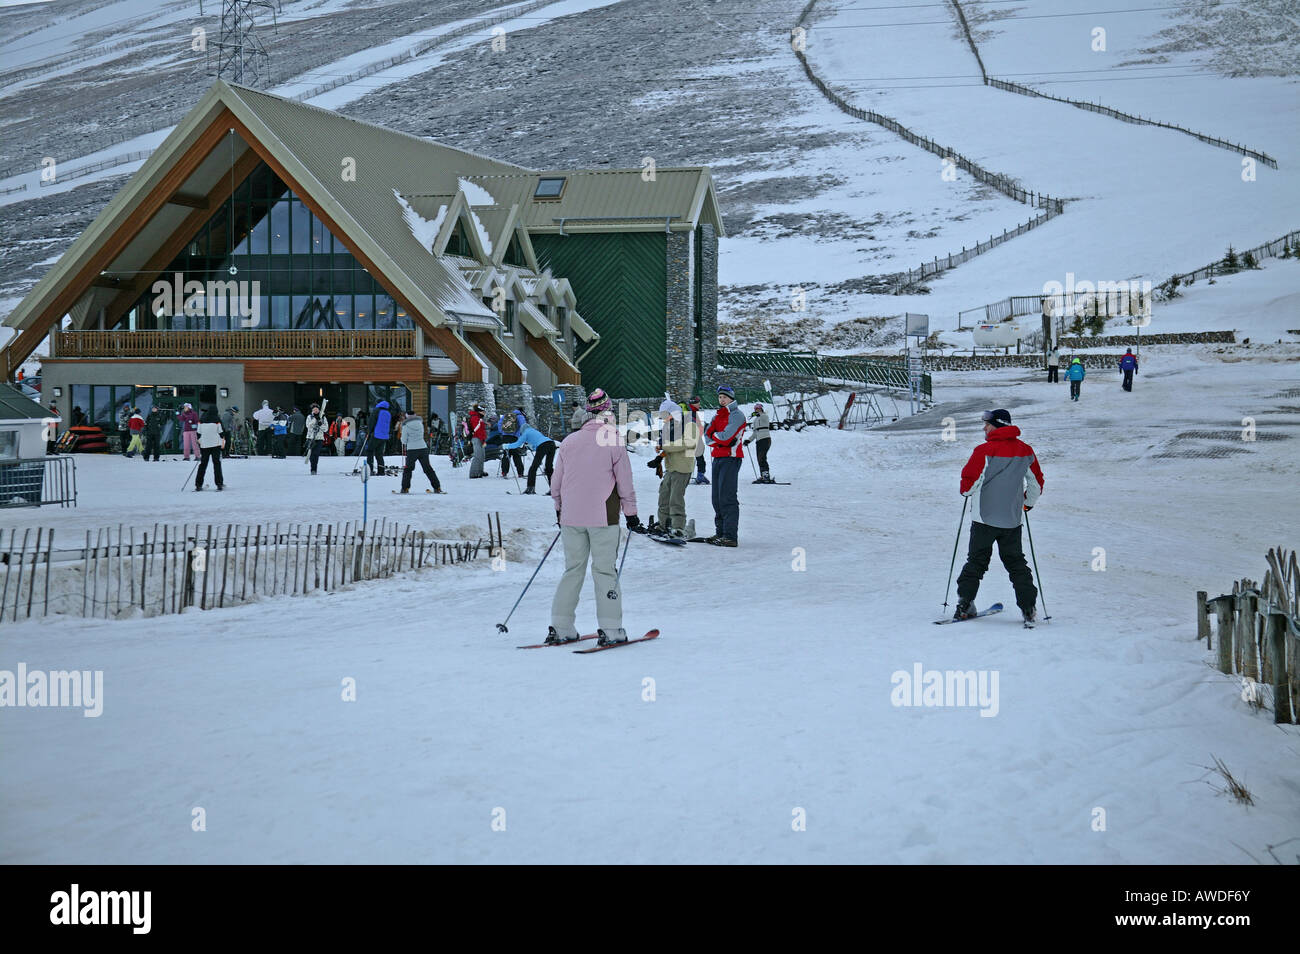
pixel 667 540
pixel 995 608
pixel 600 649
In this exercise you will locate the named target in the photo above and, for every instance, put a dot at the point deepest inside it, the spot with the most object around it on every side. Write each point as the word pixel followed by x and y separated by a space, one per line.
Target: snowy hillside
pixel 771 695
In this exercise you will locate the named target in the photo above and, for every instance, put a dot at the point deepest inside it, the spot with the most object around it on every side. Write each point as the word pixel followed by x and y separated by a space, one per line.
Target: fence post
pixel 1223 606
pixel 1202 618
pixel 1275 627
pixel 1248 602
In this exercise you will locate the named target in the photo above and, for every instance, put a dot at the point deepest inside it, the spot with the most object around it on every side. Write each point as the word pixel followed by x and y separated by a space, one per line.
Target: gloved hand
pixel 557 518
pixel 633 522
pixel 652 462
pixel 1027 509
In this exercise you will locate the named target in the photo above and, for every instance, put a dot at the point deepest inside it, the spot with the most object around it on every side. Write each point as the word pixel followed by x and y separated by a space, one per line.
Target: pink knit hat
pixel 598 401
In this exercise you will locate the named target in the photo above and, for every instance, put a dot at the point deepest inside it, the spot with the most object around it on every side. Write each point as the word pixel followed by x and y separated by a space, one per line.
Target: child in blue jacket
pixel 1075 377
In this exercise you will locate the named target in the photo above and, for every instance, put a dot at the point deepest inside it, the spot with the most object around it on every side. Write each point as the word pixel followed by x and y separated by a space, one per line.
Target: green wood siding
pixel 620 281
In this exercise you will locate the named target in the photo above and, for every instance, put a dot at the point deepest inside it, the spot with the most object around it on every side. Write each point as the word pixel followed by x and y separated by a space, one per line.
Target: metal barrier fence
pixel 34 482
pixel 849 369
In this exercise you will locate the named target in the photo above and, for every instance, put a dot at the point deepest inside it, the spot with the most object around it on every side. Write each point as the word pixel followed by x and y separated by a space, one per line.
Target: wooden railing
pixel 235 344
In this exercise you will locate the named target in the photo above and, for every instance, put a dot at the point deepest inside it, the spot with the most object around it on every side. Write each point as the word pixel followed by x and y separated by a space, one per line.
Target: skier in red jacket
pixel 1003 480
pixel 724 435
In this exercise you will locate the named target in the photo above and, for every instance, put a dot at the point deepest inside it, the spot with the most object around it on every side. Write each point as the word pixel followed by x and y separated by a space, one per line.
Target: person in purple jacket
pixel 1128 364
pixel 591 484
pixel 190 431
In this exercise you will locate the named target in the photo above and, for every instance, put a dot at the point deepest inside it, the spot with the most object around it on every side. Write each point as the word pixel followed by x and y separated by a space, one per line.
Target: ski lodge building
pixel 271 250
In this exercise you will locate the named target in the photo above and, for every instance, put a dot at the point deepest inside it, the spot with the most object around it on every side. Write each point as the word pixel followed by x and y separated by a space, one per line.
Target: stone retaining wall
pixel 1132 341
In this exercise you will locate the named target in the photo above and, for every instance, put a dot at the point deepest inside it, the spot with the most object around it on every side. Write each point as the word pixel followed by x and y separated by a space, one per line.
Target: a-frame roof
pixel 348 170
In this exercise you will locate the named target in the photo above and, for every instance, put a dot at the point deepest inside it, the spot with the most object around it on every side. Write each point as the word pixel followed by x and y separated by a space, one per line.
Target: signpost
pixel 918 327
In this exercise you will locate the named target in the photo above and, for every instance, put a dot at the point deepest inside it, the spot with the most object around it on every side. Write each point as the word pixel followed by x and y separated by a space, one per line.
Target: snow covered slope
pixel 781 701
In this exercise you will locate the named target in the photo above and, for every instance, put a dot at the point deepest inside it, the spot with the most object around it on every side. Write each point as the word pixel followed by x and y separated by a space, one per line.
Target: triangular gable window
pixel 458 244
pixel 515 253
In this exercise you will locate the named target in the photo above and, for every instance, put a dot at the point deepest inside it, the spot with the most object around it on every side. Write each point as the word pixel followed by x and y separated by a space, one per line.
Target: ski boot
pixel 701 479
pixel 715 540
pixel 1030 615
pixel 690 528
pixel 677 533
pixel 530 490
pixel 965 610
pixel 555 639
pixel 609 639
pixel 652 527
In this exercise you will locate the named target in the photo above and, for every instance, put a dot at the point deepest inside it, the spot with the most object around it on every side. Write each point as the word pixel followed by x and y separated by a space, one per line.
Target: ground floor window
pixel 109 406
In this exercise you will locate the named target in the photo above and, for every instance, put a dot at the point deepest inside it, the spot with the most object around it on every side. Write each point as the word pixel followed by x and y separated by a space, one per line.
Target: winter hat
pixel 724 389
pixel 598 401
pixel 999 418
pixel 668 407
pixel 695 399
pixel 264 404
pixel 758 409
pixel 188 405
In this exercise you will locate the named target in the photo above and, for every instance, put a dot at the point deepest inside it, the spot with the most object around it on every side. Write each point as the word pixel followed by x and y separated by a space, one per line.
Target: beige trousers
pixel 600 545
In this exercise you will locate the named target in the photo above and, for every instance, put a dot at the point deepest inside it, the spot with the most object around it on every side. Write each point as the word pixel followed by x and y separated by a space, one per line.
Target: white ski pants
pixel 600 545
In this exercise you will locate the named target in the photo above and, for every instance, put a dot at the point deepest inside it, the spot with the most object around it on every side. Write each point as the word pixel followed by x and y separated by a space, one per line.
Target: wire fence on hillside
pixel 1023 90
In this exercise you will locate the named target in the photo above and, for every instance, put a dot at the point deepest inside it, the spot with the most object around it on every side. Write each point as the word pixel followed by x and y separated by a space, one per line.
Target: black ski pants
pixel 1052 374
pixel 1128 380
pixel 209 454
pixel 315 454
pixel 517 456
pixel 763 444
pixel 982 538
pixel 422 456
pixel 1075 386
pixel 545 451
pixel 375 453
pixel 150 446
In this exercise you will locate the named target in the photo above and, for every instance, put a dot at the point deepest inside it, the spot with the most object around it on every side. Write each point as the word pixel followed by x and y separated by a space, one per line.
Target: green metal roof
pixel 609 200
pixel 16 406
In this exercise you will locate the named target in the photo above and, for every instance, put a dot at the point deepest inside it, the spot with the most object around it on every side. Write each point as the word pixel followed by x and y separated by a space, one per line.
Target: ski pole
pixel 191 476
pixel 753 465
pixel 1034 557
pixel 960 522
pixel 613 594
pixel 501 627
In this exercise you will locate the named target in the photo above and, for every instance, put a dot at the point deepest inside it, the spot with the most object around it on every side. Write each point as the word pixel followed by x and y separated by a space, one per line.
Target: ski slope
pixel 772 699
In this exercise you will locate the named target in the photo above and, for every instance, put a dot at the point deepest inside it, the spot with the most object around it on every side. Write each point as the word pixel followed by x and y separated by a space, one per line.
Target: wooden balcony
pixel 235 344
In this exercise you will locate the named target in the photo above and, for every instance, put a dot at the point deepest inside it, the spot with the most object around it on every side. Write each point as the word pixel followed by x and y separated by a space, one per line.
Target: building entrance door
pixel 305 395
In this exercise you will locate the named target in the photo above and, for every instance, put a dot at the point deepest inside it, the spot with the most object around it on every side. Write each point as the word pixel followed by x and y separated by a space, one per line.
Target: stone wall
pixel 1092 360
pixel 510 396
pixel 1132 341
pixel 572 392
pixel 679 374
pixel 472 392
pixel 708 238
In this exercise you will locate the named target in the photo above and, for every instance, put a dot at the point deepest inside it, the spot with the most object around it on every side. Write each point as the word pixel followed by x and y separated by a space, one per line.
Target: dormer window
pixel 549 188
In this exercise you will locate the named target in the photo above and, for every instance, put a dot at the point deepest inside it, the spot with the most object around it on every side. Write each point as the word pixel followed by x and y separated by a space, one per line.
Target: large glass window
pixel 305 276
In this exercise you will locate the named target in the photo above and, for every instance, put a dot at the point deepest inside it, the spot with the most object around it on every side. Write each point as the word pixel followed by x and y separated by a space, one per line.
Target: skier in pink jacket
pixel 190 431
pixel 591 484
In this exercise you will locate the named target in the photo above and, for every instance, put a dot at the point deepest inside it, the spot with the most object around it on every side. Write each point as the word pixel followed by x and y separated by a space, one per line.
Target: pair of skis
pixel 995 608
pixel 594 649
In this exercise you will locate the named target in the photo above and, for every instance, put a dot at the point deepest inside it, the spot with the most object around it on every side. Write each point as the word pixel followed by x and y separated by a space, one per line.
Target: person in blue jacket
pixel 383 419
pixel 1129 365
pixel 1075 377
pixel 543 449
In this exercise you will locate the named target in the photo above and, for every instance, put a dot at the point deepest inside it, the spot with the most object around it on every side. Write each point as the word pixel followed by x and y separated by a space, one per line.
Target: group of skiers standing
pixel 1075 372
